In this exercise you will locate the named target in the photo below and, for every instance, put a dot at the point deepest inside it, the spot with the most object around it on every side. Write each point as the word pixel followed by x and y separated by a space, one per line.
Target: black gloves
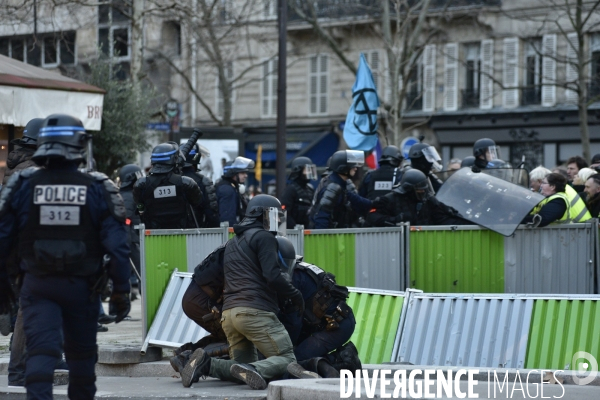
pixel 121 304
pixel 7 296
pixel 381 202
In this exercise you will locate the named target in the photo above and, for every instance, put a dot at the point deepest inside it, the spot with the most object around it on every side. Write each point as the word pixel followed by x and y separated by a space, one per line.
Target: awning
pixel 28 92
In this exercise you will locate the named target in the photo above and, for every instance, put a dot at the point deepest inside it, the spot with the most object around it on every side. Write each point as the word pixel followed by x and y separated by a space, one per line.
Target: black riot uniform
pixel 64 221
pixel 165 199
pixel 425 157
pixel 20 157
pixel 232 205
pixel 381 181
pixel 411 202
pixel 209 206
pixel 298 194
pixel 128 175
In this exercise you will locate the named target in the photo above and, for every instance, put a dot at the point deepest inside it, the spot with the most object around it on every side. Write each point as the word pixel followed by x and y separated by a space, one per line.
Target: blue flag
pixel 360 130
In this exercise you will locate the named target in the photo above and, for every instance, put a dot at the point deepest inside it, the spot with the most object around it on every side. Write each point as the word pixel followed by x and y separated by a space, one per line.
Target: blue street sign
pixel 406 144
pixel 159 126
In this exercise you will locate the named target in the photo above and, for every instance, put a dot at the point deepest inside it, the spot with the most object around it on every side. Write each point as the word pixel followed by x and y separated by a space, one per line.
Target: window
pixel 268 92
pixel 595 65
pixel 374 61
pixel 48 50
pixel 270 8
pixel 532 92
pixel 171 37
pixel 470 94
pixel 228 67
pixel 225 11
pixel 318 75
pixel 114 29
pixel 414 87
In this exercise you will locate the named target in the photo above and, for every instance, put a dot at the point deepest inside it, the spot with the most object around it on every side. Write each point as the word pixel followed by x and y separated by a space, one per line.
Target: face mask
pixel 242 188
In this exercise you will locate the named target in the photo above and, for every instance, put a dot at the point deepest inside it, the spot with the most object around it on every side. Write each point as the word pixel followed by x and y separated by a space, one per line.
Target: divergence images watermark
pixel 437 383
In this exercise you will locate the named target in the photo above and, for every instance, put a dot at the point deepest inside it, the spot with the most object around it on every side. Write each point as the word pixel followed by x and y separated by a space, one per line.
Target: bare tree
pixel 571 21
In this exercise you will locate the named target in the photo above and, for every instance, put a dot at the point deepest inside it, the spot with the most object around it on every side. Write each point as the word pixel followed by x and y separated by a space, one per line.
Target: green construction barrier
pixel 377 317
pixel 561 328
pixel 443 260
pixel 163 254
pixel 332 252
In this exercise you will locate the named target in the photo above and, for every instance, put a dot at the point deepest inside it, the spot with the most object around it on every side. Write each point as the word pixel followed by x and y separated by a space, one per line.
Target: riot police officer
pixel 232 205
pixel 327 323
pixel 487 154
pixel 64 221
pixel 253 285
pixel 210 207
pixel 165 199
pixel 298 194
pixel 128 176
pixel 334 203
pixel 20 157
pixel 411 202
pixel 424 157
pixel 380 182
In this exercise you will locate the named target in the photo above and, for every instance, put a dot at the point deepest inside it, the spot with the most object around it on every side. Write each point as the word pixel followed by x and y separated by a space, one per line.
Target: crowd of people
pixel 65 231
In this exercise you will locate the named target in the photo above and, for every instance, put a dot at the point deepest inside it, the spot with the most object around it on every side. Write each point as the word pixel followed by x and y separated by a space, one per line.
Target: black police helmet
pixel 467 162
pixel 30 133
pixel 238 165
pixel 481 145
pixel 61 136
pixel 298 165
pixel 258 203
pixel 412 180
pixel 128 174
pixel 164 157
pixel 340 164
pixel 416 150
pixel 286 254
pixel 193 158
pixel 391 155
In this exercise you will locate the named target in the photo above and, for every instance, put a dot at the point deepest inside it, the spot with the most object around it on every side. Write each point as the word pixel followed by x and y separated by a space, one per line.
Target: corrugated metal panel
pixel 558 259
pixel 333 251
pixel 377 316
pixel 559 329
pixel 296 236
pixel 380 259
pixel 162 254
pixel 468 331
pixel 171 327
pixel 201 242
pixel 466 260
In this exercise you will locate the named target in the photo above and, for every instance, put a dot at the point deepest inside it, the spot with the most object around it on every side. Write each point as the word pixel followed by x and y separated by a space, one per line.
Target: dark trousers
pixel 16 365
pixel 318 344
pixel 195 304
pixel 50 304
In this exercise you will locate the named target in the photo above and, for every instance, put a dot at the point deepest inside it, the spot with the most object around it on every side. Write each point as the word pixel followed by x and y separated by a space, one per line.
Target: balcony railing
pixel 470 98
pixel 414 101
pixel 531 95
pixel 339 9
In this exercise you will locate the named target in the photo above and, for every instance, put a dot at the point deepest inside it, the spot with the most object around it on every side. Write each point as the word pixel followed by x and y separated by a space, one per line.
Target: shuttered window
pixel 219 95
pixel 549 70
pixel 571 73
pixel 373 58
pixel 451 77
pixel 268 90
pixel 510 73
pixel 429 78
pixel 318 84
pixel 486 92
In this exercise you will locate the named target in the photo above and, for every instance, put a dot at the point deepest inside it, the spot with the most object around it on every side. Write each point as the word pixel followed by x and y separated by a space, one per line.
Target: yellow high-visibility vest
pixel 576 210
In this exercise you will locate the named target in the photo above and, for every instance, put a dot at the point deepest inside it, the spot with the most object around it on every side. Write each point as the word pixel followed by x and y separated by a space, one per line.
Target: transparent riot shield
pixel 488 201
pixel 518 176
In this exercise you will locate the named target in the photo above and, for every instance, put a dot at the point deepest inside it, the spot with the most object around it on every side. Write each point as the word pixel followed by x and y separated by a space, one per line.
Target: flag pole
pixel 281 100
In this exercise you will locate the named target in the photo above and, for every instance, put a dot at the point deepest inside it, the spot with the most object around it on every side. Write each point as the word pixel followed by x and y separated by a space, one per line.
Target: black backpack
pixel 209 273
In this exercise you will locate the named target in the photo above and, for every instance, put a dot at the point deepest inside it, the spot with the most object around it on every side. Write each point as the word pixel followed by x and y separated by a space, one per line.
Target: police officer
pixel 487 154
pixel 20 157
pixel 128 176
pixel 334 203
pixel 424 157
pixel 64 220
pixel 411 202
pixel 232 205
pixel 165 199
pixel 298 194
pixel 380 182
pixel 253 284
pixel 327 323
pixel 210 207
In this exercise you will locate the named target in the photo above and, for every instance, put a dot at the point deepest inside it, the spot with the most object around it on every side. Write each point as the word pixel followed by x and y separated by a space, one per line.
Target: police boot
pixel 198 366
pixel 179 361
pixel 184 347
pixel 346 357
pixel 304 369
pixel 217 350
pixel 321 366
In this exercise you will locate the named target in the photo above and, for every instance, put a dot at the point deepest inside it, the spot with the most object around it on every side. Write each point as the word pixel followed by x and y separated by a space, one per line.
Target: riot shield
pixel 487 200
pixel 518 176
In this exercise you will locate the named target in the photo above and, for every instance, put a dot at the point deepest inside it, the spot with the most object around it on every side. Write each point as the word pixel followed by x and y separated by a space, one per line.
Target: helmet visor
pixel 241 163
pixel 204 152
pixel 355 157
pixel 433 157
pixel 492 153
pixel 274 220
pixel 310 172
pixel 287 266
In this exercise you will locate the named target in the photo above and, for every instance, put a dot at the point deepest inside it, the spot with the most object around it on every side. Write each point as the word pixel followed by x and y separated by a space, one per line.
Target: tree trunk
pixel 137 37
